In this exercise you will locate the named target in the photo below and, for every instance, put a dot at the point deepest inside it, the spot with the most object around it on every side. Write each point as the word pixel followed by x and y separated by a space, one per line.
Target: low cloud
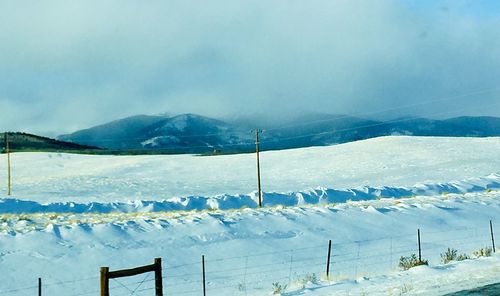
pixel 66 65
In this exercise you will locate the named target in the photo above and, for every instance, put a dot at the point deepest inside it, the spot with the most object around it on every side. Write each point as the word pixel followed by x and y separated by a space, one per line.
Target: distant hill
pixel 187 133
pixel 475 126
pixel 191 133
pixel 28 142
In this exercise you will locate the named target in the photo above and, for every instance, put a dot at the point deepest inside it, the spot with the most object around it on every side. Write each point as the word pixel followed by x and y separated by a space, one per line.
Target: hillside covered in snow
pixel 391 162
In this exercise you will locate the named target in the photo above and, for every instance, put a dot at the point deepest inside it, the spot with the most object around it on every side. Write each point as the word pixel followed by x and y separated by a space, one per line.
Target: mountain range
pixel 191 133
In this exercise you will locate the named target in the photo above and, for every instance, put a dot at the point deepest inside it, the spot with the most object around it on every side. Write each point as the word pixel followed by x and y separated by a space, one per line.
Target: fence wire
pixel 258 273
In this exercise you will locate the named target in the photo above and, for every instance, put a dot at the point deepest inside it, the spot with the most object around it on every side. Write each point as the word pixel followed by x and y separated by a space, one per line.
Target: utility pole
pixel 257 131
pixel 7 150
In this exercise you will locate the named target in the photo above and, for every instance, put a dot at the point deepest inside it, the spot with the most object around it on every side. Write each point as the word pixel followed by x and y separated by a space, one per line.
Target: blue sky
pixel 67 65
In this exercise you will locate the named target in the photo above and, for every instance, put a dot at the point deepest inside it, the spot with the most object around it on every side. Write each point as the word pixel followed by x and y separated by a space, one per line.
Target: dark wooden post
pixel 158 278
pixel 492 237
pixel 203 271
pixel 39 286
pixel 258 166
pixel 7 150
pixel 328 258
pixel 104 281
pixel 419 248
pixel 155 267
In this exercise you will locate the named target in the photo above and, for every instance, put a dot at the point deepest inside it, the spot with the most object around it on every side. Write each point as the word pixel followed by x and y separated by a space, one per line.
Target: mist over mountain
pixel 186 133
pixel 191 133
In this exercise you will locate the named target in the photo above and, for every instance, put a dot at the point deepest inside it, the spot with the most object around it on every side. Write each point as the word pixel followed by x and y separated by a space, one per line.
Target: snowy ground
pixel 71 214
pixel 388 161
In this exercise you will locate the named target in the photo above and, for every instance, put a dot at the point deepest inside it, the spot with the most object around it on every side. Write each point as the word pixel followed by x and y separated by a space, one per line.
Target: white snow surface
pixel 71 214
pixel 382 162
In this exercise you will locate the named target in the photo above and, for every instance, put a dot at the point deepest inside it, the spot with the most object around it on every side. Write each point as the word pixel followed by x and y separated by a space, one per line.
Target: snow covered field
pixel 71 214
pixel 387 161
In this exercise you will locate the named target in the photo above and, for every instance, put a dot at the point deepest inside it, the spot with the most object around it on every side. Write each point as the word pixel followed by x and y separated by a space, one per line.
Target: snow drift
pixel 231 202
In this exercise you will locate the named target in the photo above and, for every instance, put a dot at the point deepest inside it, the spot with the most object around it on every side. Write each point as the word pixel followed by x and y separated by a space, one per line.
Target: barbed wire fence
pixel 282 270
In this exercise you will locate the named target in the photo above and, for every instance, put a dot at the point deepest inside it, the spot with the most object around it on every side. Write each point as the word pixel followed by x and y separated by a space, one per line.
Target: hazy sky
pixel 66 65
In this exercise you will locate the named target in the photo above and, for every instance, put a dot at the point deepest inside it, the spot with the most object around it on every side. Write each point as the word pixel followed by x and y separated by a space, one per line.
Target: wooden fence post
pixel 106 275
pixel 104 281
pixel 492 237
pixel 7 150
pixel 258 166
pixel 328 259
pixel 419 248
pixel 158 278
pixel 203 271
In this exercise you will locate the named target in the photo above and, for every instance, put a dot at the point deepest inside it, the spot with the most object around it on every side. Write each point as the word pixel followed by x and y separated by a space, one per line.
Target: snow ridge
pixel 319 195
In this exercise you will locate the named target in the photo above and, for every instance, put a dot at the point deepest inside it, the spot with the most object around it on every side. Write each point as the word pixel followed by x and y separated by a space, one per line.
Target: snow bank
pixel 246 251
pixel 228 202
pixel 422 280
